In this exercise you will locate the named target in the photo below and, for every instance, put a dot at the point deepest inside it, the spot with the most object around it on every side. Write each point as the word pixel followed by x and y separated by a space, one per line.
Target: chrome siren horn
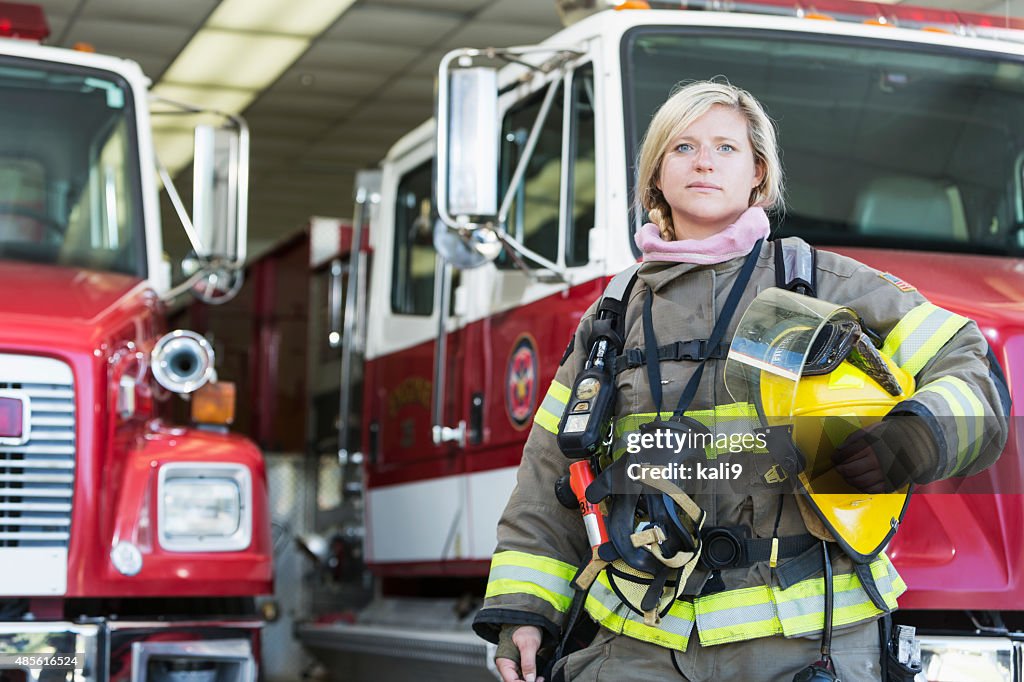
pixel 182 361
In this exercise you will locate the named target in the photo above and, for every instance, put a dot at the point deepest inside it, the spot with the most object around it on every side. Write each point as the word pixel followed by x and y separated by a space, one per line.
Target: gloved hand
pixel 887 455
pixel 517 651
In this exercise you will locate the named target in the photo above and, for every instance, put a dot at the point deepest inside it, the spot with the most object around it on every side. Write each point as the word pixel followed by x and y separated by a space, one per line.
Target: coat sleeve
pixel 961 392
pixel 541 544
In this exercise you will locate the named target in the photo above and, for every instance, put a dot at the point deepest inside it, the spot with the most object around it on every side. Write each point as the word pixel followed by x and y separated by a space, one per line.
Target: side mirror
pixel 220 192
pixel 467 144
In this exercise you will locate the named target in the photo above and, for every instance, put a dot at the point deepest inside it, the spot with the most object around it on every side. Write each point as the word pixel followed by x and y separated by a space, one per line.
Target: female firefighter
pixel 708 171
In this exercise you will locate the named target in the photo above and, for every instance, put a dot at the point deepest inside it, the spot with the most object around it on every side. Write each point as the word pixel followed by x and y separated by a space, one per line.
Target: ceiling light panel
pixel 238 60
pixel 297 17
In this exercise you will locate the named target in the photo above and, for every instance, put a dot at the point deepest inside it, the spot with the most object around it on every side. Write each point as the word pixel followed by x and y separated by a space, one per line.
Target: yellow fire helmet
pixel 808 366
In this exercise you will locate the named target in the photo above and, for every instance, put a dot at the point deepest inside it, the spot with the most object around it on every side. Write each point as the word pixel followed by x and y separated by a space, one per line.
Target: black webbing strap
pixel 755 550
pixel 696 350
pixel 799 568
pixel 760 549
pixel 651 344
pixel 721 324
pixel 867 581
pixel 616 294
pixel 826 632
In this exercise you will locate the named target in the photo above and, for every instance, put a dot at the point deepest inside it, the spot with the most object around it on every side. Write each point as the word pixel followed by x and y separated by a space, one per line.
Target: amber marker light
pixel 214 403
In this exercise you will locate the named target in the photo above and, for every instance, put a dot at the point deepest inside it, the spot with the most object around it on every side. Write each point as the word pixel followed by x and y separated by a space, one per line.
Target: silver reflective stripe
pixel 553 405
pixel 920 337
pixel 798 262
pixel 550 583
pixel 739 615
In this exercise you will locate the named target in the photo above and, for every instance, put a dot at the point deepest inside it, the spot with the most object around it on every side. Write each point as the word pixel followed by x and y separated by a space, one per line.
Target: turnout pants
pixel 614 658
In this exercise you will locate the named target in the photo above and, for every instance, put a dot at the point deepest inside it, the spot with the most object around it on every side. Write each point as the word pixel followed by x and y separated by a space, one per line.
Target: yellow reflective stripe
pixel 559 392
pixel 968 414
pixel 551 408
pixel 728 413
pixel 542 577
pixel 748 613
pixel 604 606
pixel 920 334
pixel 496 588
pixel 802 610
pixel 537 562
pixel 761 611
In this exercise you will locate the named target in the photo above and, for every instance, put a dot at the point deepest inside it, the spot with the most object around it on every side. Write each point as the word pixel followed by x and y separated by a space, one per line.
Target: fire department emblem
pixel 521 382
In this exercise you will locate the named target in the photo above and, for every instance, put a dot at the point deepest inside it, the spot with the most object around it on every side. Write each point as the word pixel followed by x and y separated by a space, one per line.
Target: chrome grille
pixel 37 478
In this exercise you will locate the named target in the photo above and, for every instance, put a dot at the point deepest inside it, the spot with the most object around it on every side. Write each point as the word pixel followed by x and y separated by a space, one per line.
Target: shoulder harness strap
pixel 796 266
pixel 611 311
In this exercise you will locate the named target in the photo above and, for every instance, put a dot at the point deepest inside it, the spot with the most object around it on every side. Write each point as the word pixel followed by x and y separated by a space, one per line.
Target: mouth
pixel 703 185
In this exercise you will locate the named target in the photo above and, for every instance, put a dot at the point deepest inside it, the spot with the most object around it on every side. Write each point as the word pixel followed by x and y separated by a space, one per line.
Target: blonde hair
pixel 679 111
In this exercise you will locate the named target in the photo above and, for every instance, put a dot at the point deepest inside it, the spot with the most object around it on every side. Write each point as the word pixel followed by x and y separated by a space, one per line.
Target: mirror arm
pixel 174 292
pixel 179 207
pixel 524 159
pixel 515 248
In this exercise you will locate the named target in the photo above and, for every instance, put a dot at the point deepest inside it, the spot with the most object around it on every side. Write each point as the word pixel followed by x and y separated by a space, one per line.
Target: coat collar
pixel 657 274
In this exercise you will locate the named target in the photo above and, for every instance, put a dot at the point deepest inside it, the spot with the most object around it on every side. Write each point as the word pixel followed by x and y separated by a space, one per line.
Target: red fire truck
pixel 494 229
pixel 130 548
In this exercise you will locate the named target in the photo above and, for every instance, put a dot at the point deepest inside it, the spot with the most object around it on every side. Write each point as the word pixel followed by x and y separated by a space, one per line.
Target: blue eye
pixel 727 147
pixel 684 147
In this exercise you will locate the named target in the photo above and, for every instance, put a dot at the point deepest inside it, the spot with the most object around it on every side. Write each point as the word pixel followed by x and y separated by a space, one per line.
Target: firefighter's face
pixel 708 173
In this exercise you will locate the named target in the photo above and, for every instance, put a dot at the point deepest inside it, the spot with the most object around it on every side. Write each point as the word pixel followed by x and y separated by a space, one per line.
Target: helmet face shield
pixel 808 365
pixel 782 337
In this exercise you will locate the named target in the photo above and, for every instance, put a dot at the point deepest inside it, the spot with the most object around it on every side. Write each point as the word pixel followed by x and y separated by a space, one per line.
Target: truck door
pixel 406 472
pixel 527 317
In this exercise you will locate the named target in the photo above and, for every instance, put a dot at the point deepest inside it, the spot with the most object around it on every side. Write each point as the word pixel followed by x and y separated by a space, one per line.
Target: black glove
pixel 886 455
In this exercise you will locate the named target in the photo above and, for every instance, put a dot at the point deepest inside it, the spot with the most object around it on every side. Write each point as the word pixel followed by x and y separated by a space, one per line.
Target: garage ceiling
pixel 361 85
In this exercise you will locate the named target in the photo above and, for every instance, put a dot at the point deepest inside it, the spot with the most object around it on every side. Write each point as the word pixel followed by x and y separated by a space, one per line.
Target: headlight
pixel 980 659
pixel 204 507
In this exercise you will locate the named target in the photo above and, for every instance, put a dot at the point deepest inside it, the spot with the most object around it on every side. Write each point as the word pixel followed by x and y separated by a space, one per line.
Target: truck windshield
pixel 69 181
pixel 883 144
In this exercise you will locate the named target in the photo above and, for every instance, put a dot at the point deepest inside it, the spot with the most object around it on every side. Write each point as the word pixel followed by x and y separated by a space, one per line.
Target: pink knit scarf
pixel 732 242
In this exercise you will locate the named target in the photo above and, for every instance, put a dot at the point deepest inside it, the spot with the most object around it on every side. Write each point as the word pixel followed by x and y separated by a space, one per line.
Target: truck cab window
pixel 534 214
pixel 883 148
pixel 69 178
pixel 412 273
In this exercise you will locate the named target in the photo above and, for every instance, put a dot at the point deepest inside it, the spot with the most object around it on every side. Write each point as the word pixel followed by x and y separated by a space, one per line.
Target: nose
pixel 702 161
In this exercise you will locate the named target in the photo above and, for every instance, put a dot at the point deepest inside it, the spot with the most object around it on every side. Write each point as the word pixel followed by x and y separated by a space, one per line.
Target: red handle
pixel 581 476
